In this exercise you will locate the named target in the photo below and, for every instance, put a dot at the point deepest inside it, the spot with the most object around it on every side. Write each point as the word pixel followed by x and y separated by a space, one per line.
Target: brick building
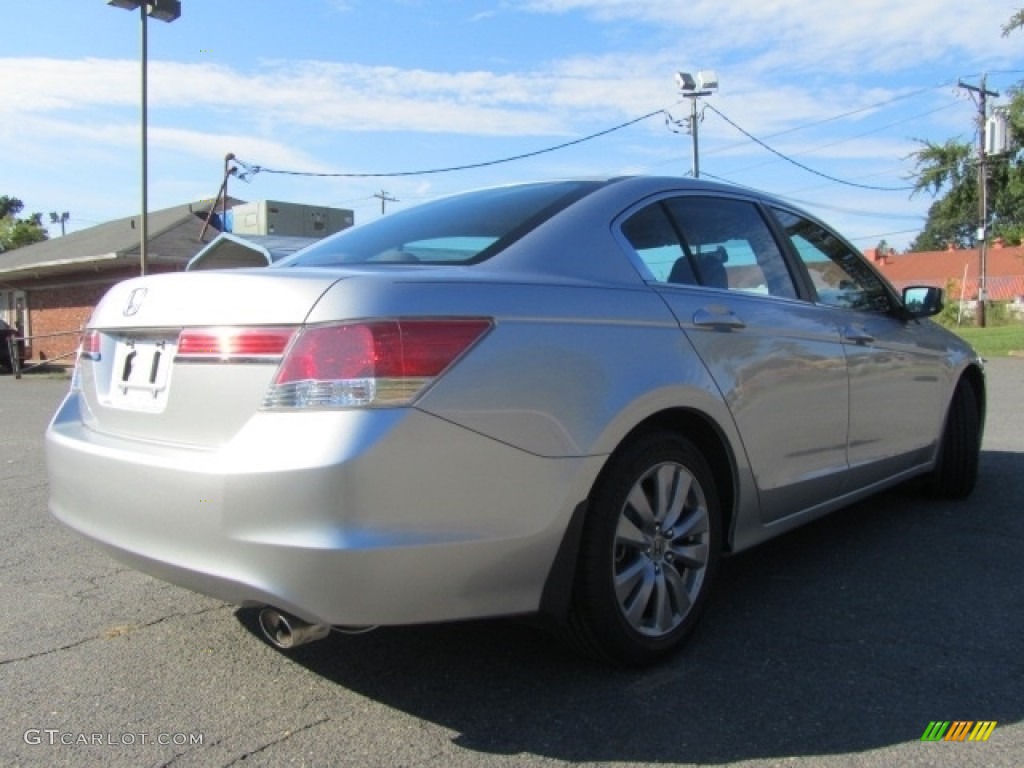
pixel 51 287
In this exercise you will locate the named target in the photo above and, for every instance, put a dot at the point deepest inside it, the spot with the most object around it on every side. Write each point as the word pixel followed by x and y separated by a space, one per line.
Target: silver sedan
pixel 567 399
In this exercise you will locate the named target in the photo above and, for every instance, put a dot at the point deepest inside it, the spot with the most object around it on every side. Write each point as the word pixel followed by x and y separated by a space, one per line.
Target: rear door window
pixel 731 246
pixel 656 242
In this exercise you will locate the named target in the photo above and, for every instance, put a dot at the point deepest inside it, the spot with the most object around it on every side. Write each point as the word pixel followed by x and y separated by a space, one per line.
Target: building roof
pixel 957 269
pixel 173 239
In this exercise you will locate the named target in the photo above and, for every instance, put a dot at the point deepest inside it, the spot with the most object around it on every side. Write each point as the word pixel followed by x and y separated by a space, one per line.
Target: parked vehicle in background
pixel 7 333
pixel 564 398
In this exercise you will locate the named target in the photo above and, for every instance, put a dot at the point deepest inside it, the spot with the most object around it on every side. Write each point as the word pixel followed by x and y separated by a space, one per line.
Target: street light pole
pixel 165 10
pixel 693 132
pixel 56 218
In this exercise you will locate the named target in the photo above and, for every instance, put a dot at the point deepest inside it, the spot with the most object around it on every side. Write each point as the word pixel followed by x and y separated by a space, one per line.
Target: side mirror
pixel 922 300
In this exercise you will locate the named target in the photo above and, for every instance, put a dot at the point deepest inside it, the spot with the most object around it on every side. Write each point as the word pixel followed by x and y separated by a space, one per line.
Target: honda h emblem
pixel 134 301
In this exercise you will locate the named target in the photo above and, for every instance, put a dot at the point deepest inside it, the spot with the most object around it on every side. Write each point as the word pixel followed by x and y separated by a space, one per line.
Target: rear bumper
pixel 388 516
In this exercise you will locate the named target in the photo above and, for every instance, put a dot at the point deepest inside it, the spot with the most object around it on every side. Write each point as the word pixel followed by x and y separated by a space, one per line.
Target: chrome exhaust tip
pixel 284 631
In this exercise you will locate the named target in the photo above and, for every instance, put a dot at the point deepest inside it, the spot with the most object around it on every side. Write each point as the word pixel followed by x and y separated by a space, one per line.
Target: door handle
pixel 857 335
pixel 717 318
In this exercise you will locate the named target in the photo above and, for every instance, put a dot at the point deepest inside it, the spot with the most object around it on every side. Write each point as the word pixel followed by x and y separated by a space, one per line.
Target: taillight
pixel 232 344
pixel 374 363
pixel 90 346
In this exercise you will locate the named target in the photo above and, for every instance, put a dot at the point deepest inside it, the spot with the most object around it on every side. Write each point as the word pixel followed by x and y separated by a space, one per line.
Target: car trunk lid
pixel 187 358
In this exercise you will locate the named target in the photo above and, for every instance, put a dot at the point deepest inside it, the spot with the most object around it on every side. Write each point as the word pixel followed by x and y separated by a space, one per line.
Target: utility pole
pixel 384 199
pixel 982 101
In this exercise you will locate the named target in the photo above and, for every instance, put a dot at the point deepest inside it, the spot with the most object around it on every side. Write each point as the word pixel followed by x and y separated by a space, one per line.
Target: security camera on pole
pixel 705 84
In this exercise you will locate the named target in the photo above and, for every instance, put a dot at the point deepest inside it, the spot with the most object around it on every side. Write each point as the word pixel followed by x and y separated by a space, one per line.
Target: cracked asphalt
pixel 833 646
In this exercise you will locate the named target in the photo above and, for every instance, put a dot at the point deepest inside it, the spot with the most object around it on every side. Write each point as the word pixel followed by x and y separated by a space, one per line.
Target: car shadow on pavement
pixel 850 634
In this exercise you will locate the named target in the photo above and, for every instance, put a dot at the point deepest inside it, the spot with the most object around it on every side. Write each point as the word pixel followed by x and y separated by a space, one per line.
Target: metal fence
pixel 15 343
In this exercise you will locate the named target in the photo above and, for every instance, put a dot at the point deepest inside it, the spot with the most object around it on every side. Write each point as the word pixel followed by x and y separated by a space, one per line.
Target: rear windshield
pixel 463 229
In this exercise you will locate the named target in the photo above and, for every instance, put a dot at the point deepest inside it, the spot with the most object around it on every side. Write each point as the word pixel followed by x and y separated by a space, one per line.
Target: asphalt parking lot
pixel 836 645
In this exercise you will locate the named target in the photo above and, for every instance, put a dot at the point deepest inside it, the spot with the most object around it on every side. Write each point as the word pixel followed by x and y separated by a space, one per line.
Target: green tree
pixel 10 206
pixel 953 217
pixel 1016 22
pixel 16 232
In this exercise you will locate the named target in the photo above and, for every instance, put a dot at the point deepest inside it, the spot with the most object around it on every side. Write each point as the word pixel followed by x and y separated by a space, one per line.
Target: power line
pixel 881 235
pixel 826 206
pixel 833 118
pixel 883 172
pixel 814 149
pixel 843 115
pixel 252 169
pixel 353 200
pixel 801 165
pixel 997 72
pixel 853 211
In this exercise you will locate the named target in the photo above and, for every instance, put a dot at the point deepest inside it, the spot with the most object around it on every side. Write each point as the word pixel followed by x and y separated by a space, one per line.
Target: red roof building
pixel 957 271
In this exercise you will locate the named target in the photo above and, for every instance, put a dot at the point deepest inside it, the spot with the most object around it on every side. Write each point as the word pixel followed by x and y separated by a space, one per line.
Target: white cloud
pixel 565 97
pixel 341 96
pixel 341 6
pixel 783 64
pixel 867 36
pixel 199 145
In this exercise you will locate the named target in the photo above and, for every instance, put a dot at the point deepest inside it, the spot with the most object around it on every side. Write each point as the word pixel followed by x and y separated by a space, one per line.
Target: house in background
pixel 957 270
pixel 48 290
pixel 51 287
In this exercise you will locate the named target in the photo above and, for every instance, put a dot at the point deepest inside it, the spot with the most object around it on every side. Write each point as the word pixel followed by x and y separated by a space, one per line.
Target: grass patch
pixel 994 342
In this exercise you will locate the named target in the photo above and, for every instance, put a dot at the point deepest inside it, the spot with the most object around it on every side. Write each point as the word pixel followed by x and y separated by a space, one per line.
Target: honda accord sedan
pixel 566 399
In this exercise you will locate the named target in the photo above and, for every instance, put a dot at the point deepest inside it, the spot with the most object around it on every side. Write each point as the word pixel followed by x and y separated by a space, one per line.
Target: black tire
pixel 956 470
pixel 641 585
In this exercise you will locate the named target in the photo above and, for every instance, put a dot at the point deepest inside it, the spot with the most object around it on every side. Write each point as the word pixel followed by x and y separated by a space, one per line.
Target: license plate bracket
pixel 141 374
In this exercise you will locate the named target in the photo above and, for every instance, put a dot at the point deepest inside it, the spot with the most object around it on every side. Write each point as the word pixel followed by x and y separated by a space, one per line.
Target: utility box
pixel 272 217
pixel 997 134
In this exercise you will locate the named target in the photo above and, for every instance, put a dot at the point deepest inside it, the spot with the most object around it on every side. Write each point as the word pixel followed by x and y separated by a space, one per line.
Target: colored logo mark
pixel 958 730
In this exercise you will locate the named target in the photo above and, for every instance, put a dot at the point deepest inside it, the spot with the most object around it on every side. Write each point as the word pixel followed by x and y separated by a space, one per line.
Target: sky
pixel 821 102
